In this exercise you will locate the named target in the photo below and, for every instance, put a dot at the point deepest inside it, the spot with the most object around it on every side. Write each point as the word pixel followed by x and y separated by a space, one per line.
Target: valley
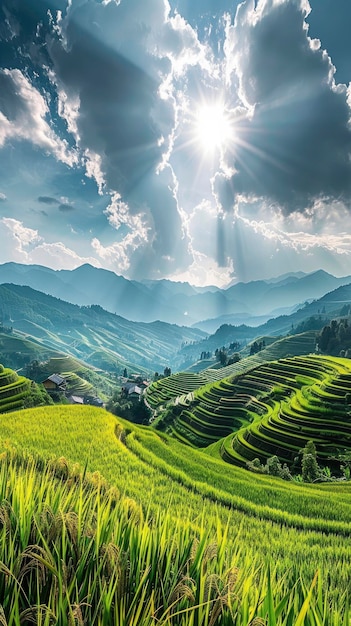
pixel 230 506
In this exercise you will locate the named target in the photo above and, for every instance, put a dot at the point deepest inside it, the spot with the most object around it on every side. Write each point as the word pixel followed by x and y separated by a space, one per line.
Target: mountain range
pixel 207 308
pixel 110 342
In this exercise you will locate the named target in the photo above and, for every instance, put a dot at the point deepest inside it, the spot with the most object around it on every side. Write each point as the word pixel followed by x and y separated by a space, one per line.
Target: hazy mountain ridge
pixel 111 342
pixel 325 307
pixel 312 283
pixel 91 333
pixel 173 302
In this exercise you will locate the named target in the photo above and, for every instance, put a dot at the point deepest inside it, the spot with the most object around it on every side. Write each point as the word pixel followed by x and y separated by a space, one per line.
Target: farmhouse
pixel 134 392
pixel 93 401
pixel 131 390
pixel 55 382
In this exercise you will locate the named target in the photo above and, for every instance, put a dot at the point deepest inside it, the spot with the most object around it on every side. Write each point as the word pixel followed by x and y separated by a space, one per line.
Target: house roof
pixel 77 399
pixel 56 378
pixel 134 389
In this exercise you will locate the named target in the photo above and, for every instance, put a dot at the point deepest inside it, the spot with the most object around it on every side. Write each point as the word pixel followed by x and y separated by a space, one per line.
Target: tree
pixel 234 359
pixel 254 348
pixel 167 371
pixel 134 410
pixel 310 468
pixel 125 373
pixel 274 468
pixel 324 338
pixel 221 356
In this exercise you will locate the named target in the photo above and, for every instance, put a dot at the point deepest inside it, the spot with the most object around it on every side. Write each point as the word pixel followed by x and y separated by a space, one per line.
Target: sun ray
pixel 213 127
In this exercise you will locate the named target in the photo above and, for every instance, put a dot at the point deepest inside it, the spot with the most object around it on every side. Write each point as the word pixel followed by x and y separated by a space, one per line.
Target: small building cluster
pixel 134 389
pixel 56 384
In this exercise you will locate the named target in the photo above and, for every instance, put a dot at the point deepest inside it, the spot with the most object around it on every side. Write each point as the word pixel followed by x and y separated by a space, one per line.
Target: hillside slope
pixel 92 334
pixel 271 408
pixel 255 518
pixel 164 390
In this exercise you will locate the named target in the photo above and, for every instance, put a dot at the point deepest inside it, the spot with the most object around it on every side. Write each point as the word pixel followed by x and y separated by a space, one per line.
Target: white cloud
pixel 205 271
pixel 58 256
pixel 132 232
pixel 117 256
pixel 118 214
pixel 180 43
pixel 17 240
pixel 23 116
pixel 93 168
pixel 261 249
pixel 68 108
pixel 25 245
pixel 2 197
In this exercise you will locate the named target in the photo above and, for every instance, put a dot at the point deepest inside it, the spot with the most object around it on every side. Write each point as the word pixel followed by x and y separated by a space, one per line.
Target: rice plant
pixel 74 551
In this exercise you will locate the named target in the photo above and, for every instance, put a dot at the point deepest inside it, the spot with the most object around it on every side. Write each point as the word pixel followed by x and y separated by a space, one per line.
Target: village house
pixel 134 392
pixel 55 383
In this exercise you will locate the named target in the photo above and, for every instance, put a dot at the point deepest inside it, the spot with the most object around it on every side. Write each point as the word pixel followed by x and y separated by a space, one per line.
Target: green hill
pixel 18 349
pixel 273 348
pixel 163 391
pixel 288 403
pixel 91 334
pixel 147 533
pixel 273 408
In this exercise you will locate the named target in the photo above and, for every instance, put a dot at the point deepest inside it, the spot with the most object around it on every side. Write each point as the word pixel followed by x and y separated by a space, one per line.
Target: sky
pixel 206 141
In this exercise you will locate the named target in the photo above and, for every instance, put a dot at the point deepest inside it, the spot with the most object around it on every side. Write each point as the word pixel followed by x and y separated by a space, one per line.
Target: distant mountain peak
pixel 170 301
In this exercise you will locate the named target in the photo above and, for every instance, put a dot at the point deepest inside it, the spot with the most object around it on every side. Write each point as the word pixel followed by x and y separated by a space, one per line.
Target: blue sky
pixel 202 140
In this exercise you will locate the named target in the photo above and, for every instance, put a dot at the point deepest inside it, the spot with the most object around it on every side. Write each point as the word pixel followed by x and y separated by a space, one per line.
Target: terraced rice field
pixel 304 399
pixel 13 390
pixel 272 409
pixel 304 343
pixel 65 363
pixel 77 385
pixel 166 389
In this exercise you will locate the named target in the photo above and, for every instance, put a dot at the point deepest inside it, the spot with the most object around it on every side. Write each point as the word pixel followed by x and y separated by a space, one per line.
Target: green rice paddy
pixel 103 522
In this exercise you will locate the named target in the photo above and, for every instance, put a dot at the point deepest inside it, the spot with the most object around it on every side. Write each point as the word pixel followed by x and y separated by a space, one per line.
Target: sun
pixel 213 127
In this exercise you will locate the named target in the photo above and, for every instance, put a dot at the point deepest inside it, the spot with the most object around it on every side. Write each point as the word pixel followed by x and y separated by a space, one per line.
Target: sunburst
pixel 214 129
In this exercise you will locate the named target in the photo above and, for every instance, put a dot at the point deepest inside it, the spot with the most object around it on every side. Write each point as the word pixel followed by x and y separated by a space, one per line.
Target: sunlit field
pixel 131 527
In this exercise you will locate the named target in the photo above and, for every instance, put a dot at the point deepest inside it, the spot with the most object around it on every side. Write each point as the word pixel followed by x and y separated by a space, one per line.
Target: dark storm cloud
pixel 107 57
pixel 121 115
pixel 116 99
pixel 47 200
pixel 296 146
